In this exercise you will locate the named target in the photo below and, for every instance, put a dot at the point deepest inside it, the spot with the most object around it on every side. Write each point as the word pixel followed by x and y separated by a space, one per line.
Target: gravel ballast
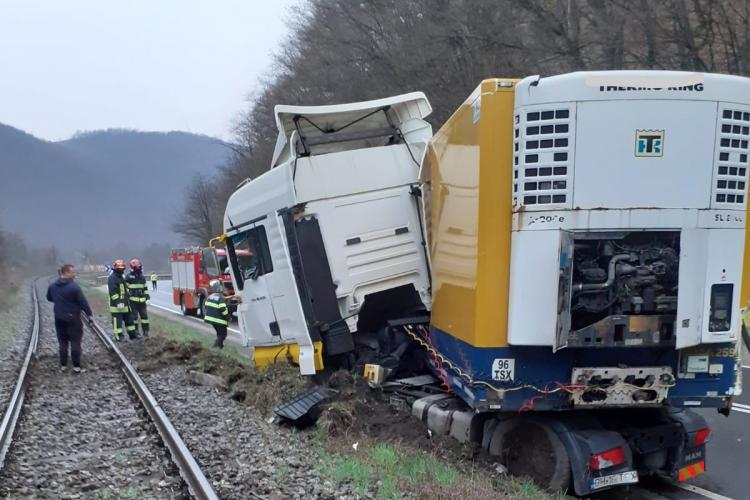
pixel 15 328
pixel 242 454
pixel 84 436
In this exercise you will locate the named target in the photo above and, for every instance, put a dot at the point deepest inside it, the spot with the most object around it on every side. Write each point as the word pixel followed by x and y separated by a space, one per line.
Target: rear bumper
pixel 656 442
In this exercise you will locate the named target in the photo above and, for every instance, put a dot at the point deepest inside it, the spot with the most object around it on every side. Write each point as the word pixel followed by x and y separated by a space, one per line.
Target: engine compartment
pixel 623 288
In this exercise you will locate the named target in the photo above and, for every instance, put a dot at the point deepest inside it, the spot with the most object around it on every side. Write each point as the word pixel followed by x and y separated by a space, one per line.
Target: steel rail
pixel 10 418
pixel 190 471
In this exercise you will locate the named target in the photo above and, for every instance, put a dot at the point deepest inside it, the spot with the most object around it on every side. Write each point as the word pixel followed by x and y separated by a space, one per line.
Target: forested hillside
pixel 341 51
pixel 104 193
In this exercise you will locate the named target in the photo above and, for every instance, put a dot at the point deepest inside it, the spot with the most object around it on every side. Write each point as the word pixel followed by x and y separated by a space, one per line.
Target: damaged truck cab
pixel 333 229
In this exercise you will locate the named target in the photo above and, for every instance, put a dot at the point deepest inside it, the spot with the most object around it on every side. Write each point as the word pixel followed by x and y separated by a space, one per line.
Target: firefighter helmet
pixel 215 286
pixel 118 265
pixel 135 264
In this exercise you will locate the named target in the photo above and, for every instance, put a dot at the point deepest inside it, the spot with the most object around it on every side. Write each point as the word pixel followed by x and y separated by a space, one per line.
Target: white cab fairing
pixel 346 173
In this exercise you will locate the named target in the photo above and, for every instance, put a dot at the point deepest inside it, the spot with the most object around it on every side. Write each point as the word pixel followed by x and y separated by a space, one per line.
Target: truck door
pixel 251 263
pixel 285 296
pixel 564 290
pixel 691 294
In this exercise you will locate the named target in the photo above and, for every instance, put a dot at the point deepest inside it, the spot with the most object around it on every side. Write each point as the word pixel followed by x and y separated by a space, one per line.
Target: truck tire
pixel 530 448
pixel 201 311
pixel 745 337
pixel 185 310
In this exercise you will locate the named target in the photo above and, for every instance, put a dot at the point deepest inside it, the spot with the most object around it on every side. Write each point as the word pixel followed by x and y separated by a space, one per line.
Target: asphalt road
pixel 728 456
pixel 728 453
pixel 161 302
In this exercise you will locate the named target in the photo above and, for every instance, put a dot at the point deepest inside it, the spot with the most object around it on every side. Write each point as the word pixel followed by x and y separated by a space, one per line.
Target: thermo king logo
pixel 649 143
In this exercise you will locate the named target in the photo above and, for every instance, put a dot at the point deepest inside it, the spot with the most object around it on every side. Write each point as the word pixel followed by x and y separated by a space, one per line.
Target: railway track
pixel 98 434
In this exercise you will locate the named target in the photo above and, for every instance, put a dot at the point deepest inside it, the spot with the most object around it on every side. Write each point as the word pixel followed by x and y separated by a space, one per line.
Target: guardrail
pixel 102 280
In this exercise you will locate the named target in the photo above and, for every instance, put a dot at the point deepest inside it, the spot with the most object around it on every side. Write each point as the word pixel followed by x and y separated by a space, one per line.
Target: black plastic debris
pixel 303 410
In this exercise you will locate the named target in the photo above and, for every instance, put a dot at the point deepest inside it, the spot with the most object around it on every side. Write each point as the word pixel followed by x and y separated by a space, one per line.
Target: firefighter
pixel 217 312
pixel 119 305
pixel 154 279
pixel 138 295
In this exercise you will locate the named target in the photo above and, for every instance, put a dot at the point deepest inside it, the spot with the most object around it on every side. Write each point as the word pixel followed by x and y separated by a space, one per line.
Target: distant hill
pixel 100 189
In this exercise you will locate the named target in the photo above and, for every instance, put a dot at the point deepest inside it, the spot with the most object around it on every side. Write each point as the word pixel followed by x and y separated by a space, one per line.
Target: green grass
pixel 13 320
pixel 132 492
pixel 391 470
pixel 175 331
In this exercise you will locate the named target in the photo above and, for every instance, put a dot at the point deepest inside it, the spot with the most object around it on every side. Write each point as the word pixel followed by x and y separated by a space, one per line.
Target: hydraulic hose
pixel 578 287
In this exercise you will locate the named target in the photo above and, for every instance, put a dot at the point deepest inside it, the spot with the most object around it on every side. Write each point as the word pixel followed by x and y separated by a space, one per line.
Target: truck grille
pixel 732 157
pixel 542 152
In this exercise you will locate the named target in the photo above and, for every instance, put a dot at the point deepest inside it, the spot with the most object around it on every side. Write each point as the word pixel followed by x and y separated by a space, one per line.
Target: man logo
pixel 649 143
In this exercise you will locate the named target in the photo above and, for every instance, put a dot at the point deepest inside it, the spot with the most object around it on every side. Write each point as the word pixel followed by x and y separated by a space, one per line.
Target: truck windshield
pixel 209 261
pixel 223 264
pixel 249 255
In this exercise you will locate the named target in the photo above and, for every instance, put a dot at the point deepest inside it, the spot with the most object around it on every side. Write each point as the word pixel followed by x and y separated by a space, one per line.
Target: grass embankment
pixel 392 470
pixel 360 439
pixel 12 319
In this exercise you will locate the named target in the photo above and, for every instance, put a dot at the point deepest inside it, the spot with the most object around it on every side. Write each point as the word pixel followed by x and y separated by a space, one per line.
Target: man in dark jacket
pixel 69 302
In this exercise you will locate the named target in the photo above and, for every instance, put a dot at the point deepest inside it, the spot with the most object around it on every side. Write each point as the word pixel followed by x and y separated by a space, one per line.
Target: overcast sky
pixel 70 65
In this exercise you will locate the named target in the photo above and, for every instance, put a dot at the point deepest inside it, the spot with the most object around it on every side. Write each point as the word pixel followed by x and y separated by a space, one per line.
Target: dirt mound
pixel 157 352
pixel 359 411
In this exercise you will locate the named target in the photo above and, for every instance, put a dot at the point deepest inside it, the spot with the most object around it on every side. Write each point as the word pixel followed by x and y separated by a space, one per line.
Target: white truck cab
pixel 331 234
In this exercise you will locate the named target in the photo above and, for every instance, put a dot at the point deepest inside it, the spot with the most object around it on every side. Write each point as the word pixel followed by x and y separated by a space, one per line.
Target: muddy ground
pixel 357 418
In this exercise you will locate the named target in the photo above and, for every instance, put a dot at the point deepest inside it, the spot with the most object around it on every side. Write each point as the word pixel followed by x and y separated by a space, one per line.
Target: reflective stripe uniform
pixel 217 313
pixel 119 306
pixel 138 295
pixel 154 279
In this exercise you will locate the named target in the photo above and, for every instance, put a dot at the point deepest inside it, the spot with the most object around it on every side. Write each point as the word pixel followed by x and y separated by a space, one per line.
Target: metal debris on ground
pixel 304 409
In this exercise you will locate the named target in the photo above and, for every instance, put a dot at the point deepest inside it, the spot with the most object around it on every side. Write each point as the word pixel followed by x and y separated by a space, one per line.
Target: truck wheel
pixel 530 448
pixel 745 337
pixel 185 310
pixel 201 311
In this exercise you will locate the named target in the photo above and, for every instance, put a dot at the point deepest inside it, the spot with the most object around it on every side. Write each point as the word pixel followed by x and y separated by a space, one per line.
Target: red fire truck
pixel 193 269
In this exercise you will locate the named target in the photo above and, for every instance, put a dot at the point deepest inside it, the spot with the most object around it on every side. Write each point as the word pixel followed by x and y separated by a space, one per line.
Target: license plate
pixel 629 477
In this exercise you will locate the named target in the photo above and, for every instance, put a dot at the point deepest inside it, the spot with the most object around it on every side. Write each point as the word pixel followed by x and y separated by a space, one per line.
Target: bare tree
pixel 201 217
pixel 342 51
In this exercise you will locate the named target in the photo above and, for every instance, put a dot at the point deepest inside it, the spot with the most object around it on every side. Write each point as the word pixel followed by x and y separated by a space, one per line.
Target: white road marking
pixel 746 367
pixel 179 313
pixel 700 491
pixel 741 410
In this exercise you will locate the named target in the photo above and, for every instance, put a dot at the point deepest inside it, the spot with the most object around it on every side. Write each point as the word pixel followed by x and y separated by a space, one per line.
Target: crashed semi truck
pixel 567 253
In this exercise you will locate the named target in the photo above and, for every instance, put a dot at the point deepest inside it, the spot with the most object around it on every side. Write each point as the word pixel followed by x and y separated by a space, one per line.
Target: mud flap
pixel 303 410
